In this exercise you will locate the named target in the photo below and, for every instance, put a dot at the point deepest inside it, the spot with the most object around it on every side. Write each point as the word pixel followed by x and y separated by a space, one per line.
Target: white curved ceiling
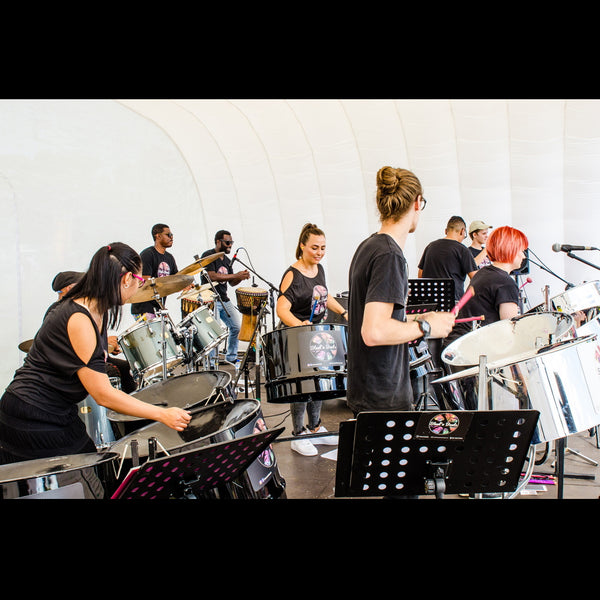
pixel 75 174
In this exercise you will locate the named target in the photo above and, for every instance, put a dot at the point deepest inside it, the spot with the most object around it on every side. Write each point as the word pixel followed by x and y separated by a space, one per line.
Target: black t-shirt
pixel 305 291
pixel 445 258
pixel 493 287
pixel 378 376
pixel 220 265
pixel 475 253
pixel 48 378
pixel 154 264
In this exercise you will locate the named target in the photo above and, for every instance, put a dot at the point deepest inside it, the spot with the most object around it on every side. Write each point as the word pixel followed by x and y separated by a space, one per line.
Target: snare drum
pixel 79 476
pixel 308 361
pixel 204 330
pixel 219 422
pixel 185 391
pixel 562 382
pixel 142 345
pixel 249 301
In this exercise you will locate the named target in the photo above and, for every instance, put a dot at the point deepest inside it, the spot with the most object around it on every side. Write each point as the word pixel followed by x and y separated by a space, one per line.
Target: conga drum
pixel 249 301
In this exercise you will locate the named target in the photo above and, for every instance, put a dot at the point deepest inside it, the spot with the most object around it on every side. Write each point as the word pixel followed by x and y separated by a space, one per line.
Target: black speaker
pixel 524 268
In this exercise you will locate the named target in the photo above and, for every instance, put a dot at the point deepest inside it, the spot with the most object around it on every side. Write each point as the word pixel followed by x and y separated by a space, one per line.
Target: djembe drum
pixel 249 301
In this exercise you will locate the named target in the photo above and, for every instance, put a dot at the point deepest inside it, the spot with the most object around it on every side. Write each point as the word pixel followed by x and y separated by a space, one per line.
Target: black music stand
pixel 425 295
pixel 432 291
pixel 186 475
pixel 406 453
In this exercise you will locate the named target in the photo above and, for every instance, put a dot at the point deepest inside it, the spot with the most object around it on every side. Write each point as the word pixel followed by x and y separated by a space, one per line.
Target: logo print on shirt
pixel 319 296
pixel 163 269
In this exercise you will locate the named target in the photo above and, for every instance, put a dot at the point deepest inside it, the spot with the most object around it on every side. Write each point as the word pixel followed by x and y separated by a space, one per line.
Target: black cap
pixel 62 280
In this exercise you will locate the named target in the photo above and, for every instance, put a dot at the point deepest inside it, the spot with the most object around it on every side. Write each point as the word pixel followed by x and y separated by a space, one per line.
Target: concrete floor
pixel 313 477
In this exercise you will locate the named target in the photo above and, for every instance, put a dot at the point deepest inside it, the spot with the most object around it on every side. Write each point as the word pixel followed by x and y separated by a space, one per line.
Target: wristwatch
pixel 425 328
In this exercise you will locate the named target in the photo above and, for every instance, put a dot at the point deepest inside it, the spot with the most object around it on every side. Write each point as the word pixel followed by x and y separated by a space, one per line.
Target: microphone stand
pixel 583 260
pixel 569 285
pixel 272 289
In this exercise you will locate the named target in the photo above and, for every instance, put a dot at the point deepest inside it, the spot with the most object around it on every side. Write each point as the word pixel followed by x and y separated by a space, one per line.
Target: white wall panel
pixel 76 174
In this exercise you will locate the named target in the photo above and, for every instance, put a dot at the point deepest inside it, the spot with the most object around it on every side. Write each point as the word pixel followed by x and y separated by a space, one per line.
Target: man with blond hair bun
pixel 378 327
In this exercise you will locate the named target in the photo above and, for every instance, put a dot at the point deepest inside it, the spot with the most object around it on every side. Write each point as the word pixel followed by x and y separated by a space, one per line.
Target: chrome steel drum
pixel 204 331
pixel 562 382
pixel 509 338
pixel 78 476
pixel 581 297
pixel 219 422
pixel 185 391
pixel 142 345
pixel 308 361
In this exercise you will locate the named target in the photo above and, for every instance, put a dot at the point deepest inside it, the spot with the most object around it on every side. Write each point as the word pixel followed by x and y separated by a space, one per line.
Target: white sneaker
pixel 327 440
pixel 304 447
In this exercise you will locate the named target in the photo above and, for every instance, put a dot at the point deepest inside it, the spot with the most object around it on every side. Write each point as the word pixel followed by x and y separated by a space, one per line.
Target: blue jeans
pixel 233 322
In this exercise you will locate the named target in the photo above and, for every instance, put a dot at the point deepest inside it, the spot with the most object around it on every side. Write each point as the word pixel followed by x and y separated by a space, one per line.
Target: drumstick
pixel 466 320
pixel 467 296
pixel 312 312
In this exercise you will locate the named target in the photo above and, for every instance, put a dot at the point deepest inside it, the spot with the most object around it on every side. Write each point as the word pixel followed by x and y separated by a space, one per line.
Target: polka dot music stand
pixel 416 453
pixel 194 473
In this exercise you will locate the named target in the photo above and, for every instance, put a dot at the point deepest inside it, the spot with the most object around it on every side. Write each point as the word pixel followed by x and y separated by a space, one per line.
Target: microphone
pixel 566 248
pixel 235 256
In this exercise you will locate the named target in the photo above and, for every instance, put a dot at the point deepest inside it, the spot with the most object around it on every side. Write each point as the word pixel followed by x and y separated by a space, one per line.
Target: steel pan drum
pixel 142 346
pixel 308 361
pixel 205 331
pixel 562 382
pixel 581 297
pixel 79 476
pixel 185 391
pixel 508 338
pixel 222 421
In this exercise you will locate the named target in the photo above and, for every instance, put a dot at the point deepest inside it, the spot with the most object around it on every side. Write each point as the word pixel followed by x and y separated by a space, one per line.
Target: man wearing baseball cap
pixel 478 232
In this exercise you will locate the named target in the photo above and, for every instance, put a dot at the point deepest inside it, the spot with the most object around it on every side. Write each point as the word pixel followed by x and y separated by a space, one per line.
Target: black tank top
pixel 304 292
pixel 48 378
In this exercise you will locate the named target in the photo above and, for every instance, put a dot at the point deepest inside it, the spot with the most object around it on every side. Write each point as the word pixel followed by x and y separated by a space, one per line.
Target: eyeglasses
pixel 141 280
pixel 168 235
pixel 226 242
pixel 423 203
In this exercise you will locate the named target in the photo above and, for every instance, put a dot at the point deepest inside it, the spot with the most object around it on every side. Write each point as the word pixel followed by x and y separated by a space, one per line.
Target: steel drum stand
pixel 194 473
pixel 244 364
pixel 398 453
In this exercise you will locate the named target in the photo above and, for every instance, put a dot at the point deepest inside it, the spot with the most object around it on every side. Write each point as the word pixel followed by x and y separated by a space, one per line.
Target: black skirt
pixel 28 432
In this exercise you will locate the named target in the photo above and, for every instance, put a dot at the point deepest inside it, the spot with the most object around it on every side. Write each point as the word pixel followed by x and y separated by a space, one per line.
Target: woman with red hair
pixel 496 292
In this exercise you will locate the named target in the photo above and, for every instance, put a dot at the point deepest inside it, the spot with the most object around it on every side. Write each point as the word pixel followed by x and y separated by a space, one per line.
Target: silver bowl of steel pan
pixel 509 338
pixel 185 391
pixel 580 297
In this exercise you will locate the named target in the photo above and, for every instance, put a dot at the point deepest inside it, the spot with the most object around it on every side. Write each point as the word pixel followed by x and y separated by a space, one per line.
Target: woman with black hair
pixel 67 361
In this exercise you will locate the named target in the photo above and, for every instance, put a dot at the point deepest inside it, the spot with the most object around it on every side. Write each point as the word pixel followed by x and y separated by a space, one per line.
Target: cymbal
pixel 198 265
pixel 26 345
pixel 163 286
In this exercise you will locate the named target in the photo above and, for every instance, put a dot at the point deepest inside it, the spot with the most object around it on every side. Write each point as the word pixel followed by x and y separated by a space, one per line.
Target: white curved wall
pixel 76 174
